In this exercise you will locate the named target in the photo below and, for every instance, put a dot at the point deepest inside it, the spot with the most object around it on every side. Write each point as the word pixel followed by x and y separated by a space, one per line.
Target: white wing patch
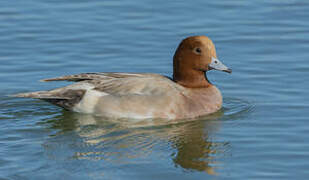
pixel 89 101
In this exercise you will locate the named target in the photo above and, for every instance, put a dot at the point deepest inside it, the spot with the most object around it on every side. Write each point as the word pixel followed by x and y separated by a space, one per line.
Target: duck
pixel 187 94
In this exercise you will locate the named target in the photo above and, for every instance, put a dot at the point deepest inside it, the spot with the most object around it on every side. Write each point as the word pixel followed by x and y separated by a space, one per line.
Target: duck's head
pixel 194 56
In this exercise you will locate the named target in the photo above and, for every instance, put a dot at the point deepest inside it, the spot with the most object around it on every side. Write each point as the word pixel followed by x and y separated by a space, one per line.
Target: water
pixel 261 132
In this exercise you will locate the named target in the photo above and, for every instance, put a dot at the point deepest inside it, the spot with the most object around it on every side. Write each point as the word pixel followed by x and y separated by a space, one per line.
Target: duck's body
pixel 131 95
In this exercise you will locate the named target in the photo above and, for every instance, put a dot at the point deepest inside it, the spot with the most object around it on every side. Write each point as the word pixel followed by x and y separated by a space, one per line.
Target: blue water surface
pixel 260 133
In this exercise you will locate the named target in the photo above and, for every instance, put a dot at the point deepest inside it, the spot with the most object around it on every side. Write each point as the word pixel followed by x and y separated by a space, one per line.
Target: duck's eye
pixel 198 50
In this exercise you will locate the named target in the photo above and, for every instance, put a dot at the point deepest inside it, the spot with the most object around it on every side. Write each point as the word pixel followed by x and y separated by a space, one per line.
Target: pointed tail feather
pixel 39 95
pixel 65 99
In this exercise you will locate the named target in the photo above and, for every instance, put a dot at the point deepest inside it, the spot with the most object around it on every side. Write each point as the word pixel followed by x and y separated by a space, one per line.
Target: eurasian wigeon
pixel 188 94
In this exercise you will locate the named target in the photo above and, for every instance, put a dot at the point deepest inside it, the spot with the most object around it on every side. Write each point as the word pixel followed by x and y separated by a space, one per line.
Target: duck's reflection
pixel 196 149
pixel 193 144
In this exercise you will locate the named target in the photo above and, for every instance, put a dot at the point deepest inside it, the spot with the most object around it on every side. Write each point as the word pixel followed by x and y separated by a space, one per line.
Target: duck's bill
pixel 218 65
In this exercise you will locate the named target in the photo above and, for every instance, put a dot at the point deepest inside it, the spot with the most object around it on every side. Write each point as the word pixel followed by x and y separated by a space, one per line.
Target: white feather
pixel 89 100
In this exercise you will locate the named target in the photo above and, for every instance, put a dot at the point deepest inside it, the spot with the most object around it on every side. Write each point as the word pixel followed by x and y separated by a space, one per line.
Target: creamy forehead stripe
pixel 209 46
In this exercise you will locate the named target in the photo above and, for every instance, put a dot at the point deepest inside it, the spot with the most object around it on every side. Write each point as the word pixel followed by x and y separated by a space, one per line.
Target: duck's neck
pixel 191 78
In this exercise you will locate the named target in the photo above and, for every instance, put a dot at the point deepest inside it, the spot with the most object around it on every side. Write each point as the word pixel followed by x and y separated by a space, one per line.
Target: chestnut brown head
pixel 194 56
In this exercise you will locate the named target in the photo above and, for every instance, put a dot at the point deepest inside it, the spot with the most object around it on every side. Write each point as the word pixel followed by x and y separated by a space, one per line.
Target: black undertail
pixel 71 98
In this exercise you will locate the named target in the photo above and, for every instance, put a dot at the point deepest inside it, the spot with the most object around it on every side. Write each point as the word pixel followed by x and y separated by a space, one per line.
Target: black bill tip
pixel 228 71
